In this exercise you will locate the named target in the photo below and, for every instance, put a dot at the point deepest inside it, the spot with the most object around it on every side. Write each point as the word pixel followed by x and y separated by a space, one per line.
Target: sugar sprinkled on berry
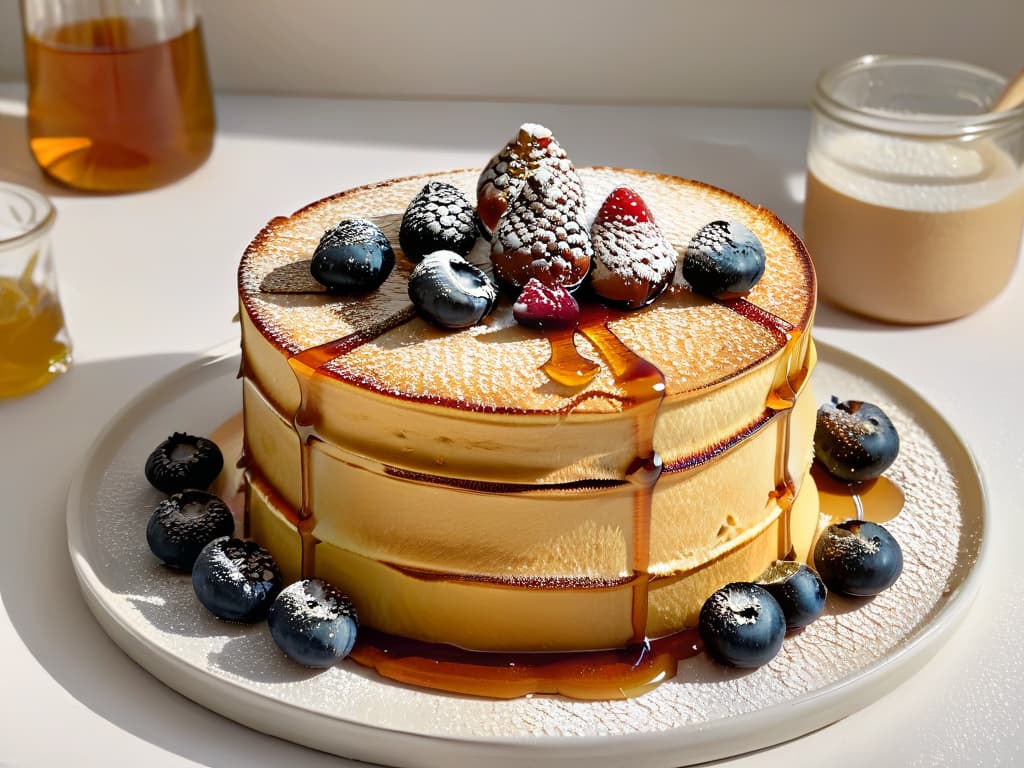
pixel 633 260
pixel 854 440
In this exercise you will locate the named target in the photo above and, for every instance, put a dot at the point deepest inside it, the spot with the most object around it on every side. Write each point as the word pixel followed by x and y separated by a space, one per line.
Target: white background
pixel 593 51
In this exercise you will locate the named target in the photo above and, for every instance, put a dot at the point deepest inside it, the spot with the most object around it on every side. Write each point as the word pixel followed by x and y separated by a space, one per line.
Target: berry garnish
pixel 633 261
pixel 183 461
pixel 313 623
pixel 236 580
pixel 352 257
pixel 184 523
pixel 541 236
pixel 742 625
pixel 501 181
pixel 854 441
pixel 547 307
pixel 858 558
pixel 799 591
pixel 724 260
pixel 450 292
pixel 439 218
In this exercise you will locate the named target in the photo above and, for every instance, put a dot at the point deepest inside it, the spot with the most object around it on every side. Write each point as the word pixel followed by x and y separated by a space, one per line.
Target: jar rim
pixel 920 126
pixel 44 214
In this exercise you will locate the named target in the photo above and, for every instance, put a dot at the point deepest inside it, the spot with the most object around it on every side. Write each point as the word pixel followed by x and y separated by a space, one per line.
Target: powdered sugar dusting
pixel 541 235
pixel 633 261
pixel 503 177
pixel 639 252
pixel 536 130
pixel 672 333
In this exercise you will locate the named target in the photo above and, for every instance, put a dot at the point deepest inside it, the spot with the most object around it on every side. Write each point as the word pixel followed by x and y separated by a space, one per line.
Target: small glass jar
pixel 915 189
pixel 34 343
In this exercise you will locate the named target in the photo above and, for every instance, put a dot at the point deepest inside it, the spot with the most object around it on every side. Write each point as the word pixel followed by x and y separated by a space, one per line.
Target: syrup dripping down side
pixel 644 387
pixel 602 674
pixel 306 365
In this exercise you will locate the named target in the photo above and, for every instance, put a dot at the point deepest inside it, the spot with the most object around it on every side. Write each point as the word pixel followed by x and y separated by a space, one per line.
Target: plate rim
pixel 748 731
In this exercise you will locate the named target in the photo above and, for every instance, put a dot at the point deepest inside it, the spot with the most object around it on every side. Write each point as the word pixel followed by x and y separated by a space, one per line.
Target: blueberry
pixel 439 218
pixel 854 441
pixel 723 260
pixel 858 558
pixel 236 580
pixel 742 625
pixel 313 623
pixel 799 591
pixel 183 461
pixel 184 523
pixel 352 257
pixel 450 292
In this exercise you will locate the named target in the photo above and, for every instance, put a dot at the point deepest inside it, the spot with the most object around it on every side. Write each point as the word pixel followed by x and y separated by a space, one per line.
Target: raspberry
pixel 633 261
pixel 545 307
pixel 502 180
pixel 541 235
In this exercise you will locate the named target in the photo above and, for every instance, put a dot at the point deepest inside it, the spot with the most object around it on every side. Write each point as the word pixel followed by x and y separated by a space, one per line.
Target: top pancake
pixel 495 367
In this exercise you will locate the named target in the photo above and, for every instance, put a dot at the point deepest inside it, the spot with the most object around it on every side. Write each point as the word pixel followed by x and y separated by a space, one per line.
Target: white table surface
pixel 148 283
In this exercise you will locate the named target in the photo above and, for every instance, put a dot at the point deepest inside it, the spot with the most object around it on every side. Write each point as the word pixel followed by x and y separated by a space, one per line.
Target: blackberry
pixel 439 218
pixel 184 523
pixel 183 461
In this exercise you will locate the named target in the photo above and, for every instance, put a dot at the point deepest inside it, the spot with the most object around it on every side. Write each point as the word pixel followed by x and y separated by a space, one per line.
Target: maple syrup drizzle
pixel 877 501
pixel 644 387
pixel 780 401
pixel 305 365
pixel 775 325
pixel 606 674
pixel 601 674
pixel 566 365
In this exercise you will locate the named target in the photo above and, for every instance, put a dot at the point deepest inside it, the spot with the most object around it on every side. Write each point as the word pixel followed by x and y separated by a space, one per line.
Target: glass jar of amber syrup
pixel 119 91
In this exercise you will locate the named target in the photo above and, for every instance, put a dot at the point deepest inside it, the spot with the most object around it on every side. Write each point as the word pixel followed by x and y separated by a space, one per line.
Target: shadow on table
pixel 40 593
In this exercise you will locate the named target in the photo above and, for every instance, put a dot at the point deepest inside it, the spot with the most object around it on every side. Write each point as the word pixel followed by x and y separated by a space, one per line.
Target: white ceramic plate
pixel 857 651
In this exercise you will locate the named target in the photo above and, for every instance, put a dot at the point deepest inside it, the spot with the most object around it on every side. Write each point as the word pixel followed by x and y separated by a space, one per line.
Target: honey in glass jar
pixel 119 91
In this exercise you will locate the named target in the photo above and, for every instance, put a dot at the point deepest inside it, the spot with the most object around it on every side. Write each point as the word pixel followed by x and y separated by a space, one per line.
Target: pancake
pixel 500 489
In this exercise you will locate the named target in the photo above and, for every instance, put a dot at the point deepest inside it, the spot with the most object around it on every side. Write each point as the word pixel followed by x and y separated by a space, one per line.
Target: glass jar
pixel 119 93
pixel 915 190
pixel 34 344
